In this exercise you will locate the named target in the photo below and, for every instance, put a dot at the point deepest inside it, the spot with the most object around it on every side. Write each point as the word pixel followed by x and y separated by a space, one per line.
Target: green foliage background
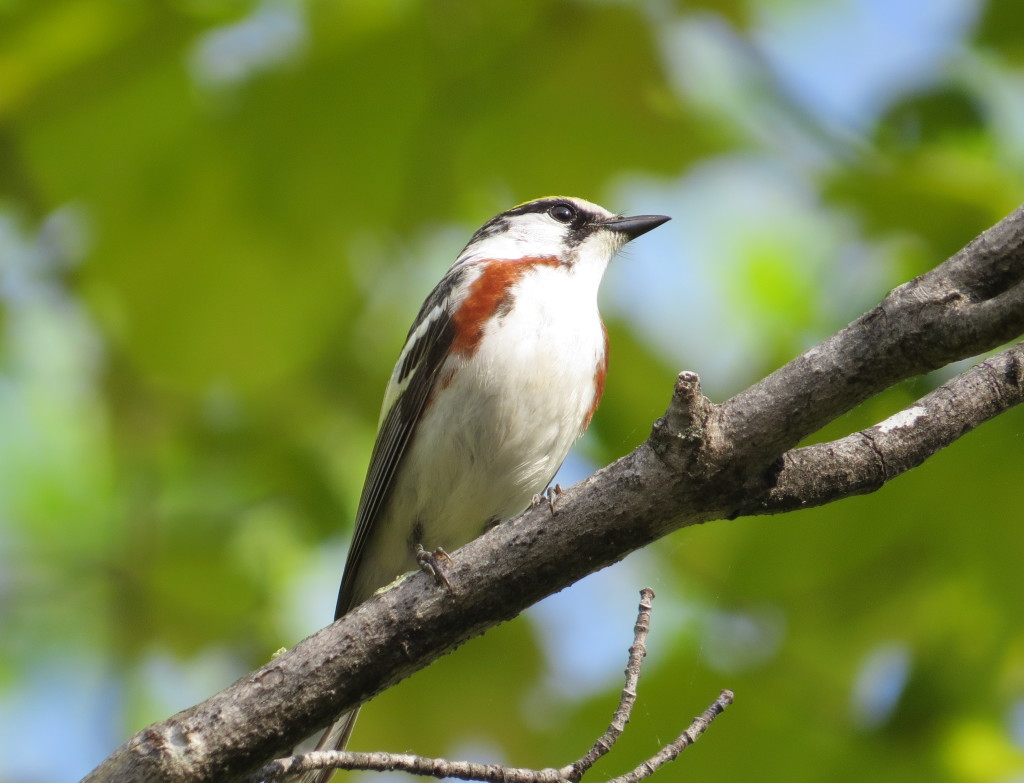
pixel 217 220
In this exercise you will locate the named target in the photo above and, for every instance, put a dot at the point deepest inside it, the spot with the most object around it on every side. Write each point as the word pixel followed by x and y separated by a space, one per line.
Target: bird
pixel 501 372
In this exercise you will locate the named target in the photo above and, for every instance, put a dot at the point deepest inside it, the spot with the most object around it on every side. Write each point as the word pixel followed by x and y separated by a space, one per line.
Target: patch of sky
pixel 880 683
pixel 689 289
pixel 274 34
pixel 72 698
pixel 847 61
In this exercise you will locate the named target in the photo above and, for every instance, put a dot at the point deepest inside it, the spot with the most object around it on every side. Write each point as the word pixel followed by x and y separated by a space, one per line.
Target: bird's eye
pixel 563 213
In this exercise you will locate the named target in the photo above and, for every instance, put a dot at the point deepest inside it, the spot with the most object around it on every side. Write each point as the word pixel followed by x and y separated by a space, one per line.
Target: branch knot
pixel 679 436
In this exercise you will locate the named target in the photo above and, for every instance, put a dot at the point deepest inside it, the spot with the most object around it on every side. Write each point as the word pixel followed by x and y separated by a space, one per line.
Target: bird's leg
pixel 434 563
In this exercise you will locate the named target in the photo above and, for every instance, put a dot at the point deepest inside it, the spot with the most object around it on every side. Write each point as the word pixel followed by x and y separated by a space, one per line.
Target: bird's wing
pixel 409 389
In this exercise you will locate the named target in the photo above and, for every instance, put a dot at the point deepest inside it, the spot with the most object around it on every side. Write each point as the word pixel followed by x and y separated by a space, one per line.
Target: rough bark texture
pixel 702 462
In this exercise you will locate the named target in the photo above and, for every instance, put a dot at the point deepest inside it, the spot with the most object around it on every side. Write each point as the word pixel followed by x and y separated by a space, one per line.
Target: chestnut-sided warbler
pixel 501 372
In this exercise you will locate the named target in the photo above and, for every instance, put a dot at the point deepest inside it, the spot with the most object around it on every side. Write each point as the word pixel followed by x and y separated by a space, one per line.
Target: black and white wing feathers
pixel 415 377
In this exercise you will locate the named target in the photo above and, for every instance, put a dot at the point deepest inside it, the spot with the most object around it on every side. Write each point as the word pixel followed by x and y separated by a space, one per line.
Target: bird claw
pixel 551 495
pixel 431 562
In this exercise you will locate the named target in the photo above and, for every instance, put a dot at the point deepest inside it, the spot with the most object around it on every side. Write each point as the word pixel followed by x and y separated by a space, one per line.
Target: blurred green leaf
pixel 998 27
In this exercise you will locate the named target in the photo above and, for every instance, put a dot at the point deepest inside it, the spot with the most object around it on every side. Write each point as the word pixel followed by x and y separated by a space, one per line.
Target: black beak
pixel 634 227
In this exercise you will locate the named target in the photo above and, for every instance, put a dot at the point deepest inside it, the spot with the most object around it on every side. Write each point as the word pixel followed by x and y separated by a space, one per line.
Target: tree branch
pixel 864 461
pixel 701 462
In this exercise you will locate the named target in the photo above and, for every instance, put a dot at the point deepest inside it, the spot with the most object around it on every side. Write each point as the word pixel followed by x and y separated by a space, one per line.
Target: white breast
pixel 499 431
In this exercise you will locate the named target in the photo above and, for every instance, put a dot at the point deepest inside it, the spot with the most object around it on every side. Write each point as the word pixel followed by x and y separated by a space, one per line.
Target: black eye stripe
pixel 581 225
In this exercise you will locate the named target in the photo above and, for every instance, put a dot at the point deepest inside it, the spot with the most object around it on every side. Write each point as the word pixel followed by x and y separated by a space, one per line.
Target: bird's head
pixel 568 229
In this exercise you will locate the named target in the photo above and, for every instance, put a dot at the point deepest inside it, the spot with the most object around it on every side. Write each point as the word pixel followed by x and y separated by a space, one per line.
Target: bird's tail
pixel 335 738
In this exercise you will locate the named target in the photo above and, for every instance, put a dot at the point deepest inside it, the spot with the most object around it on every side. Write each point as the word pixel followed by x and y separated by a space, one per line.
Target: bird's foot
pixel 550 496
pixel 435 563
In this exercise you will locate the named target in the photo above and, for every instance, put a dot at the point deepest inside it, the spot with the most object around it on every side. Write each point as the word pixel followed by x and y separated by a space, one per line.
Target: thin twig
pixel 637 653
pixel 494 773
pixel 402 762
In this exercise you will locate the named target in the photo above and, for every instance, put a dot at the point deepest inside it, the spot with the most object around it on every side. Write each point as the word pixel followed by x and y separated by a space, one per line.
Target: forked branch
pixel 493 773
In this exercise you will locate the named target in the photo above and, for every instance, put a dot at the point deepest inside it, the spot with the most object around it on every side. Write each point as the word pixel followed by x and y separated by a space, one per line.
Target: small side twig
pixel 494 773
pixel 637 653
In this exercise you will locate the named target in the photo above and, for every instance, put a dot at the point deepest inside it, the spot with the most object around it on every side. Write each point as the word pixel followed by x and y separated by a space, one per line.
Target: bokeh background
pixel 217 219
